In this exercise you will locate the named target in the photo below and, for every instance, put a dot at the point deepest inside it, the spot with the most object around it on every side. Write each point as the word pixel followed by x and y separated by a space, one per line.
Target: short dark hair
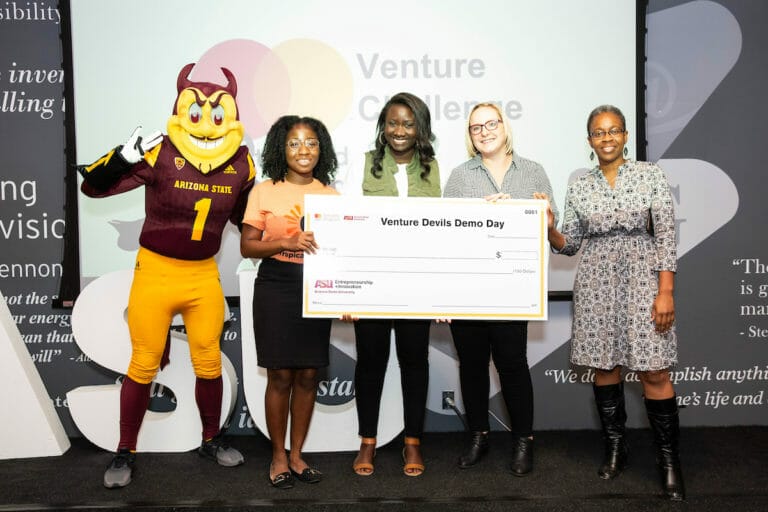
pixel 274 164
pixel 602 109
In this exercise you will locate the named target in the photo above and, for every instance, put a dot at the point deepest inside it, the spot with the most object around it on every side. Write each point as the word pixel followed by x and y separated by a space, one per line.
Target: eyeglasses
pixel 310 144
pixel 491 125
pixel 599 134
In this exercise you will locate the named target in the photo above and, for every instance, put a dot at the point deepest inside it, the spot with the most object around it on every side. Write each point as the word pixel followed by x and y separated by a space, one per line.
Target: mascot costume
pixel 195 179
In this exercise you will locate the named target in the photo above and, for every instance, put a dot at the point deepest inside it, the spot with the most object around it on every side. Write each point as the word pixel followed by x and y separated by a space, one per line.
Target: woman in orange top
pixel 299 158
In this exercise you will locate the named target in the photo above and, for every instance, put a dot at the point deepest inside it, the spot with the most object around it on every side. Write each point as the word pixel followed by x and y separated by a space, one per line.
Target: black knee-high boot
pixel 664 420
pixel 613 417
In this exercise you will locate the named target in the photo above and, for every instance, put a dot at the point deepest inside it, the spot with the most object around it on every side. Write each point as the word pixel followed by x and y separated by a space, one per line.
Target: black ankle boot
pixel 478 446
pixel 664 420
pixel 522 456
pixel 613 417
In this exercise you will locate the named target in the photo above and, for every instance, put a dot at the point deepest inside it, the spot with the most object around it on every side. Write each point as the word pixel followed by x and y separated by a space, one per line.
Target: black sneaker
pixel 118 473
pixel 216 449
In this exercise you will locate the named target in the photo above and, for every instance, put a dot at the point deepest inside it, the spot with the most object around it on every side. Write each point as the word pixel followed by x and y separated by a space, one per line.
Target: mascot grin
pixel 205 126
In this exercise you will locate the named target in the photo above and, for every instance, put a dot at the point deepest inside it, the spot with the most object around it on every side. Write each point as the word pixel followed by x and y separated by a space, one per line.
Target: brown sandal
pixel 361 467
pixel 412 468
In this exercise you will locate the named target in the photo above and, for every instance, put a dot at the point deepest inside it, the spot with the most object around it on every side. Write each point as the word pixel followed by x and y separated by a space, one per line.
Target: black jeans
pixel 476 342
pixel 372 338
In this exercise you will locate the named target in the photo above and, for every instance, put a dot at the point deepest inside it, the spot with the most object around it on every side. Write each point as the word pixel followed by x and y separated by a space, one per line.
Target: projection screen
pixel 546 62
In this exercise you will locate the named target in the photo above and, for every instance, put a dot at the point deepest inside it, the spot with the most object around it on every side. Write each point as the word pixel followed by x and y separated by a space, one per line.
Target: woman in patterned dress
pixel 623 294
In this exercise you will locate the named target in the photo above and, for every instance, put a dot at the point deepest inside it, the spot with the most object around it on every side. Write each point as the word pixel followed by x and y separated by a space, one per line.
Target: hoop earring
pixel 626 151
pixel 382 141
pixel 591 155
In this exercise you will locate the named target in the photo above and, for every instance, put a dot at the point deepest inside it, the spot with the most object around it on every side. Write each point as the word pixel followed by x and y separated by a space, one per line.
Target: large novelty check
pixel 393 257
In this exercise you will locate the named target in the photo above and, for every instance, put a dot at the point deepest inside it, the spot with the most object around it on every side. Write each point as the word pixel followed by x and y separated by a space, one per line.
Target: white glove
pixel 134 148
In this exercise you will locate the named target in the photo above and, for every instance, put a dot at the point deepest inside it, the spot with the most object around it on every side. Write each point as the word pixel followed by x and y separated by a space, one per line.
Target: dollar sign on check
pixel 498 255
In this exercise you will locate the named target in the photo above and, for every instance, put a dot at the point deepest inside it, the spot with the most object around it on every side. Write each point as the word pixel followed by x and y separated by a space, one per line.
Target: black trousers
pixel 372 338
pixel 476 342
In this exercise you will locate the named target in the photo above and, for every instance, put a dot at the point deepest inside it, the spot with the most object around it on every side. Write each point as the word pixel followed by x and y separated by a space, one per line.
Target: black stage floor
pixel 724 468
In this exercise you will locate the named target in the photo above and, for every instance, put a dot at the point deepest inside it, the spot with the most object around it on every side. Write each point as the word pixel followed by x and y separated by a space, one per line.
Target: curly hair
pixel 424 135
pixel 274 164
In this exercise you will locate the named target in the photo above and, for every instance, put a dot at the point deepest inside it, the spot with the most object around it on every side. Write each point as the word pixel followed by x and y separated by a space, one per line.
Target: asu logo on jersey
pixel 205 126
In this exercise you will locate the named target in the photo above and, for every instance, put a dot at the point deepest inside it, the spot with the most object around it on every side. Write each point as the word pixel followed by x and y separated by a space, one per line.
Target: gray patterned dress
pixel 617 278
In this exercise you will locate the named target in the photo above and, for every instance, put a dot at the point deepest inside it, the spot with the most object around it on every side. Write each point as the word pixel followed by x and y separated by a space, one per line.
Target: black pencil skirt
pixel 284 339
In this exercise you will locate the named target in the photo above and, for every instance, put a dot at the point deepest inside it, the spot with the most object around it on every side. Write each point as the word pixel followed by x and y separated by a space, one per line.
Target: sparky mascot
pixel 195 179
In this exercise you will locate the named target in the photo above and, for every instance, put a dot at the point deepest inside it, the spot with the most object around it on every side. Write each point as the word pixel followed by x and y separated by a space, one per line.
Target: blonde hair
pixel 471 149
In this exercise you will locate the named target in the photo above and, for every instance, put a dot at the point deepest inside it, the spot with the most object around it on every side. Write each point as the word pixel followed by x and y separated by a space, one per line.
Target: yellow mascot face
pixel 205 125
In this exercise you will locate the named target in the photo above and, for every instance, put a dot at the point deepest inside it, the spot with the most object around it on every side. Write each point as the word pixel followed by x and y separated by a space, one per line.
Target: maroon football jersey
pixel 186 210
